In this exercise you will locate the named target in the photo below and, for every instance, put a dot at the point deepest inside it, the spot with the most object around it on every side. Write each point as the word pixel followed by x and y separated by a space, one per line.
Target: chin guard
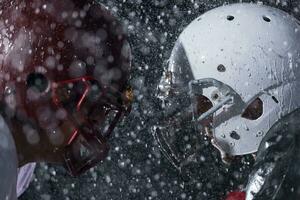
pixel 85 152
pixel 94 110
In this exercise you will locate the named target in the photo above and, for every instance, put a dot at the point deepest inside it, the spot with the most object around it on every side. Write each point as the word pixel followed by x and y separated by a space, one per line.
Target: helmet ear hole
pixel 254 110
pixel 37 81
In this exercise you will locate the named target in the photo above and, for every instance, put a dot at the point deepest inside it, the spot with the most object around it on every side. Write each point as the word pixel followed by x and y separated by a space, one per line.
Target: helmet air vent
pixel 221 68
pixel 230 17
pixel 275 99
pixel 266 18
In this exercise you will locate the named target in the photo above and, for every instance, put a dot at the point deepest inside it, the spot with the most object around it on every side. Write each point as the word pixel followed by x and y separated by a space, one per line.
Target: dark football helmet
pixel 64 79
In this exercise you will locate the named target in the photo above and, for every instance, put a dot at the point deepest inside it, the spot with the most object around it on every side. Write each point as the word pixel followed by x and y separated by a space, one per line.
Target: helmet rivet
pixel 215 96
pixel 259 133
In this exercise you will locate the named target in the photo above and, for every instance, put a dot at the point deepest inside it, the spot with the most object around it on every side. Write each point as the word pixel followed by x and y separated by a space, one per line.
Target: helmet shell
pixel 46 44
pixel 255 51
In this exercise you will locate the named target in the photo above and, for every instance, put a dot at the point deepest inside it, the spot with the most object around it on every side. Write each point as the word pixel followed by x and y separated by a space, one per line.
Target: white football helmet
pixel 240 64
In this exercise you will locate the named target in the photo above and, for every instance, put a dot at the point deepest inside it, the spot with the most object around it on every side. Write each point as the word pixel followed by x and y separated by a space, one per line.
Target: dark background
pixel 136 169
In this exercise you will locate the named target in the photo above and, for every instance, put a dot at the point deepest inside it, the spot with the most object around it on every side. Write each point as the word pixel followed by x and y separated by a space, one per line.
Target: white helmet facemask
pixel 238 67
pixel 231 122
